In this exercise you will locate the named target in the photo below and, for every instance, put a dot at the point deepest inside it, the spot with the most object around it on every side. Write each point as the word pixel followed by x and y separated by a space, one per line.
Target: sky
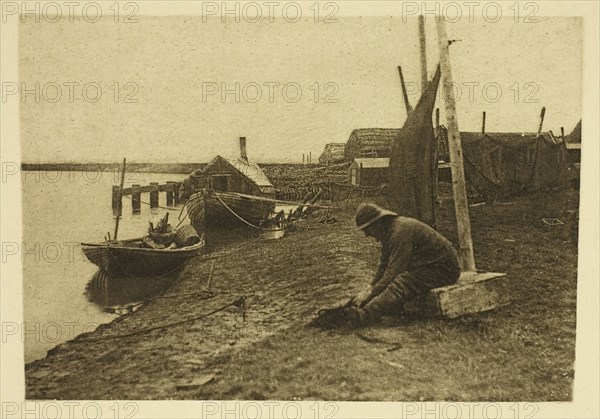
pixel 290 87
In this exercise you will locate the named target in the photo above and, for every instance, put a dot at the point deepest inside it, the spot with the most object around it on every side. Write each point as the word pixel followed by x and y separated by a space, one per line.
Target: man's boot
pixel 387 302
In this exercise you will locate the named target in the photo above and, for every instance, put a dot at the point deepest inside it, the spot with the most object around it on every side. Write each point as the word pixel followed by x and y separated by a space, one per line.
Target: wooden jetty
pixel 173 191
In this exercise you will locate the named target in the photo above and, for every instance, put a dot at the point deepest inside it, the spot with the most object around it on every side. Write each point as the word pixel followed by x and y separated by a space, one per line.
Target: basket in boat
pixel 163 238
pixel 186 236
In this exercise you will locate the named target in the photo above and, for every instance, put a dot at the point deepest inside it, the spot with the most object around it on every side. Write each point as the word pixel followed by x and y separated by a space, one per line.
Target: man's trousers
pixel 407 286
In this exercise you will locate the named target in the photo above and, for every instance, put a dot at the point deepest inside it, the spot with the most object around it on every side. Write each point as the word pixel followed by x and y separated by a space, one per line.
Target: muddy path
pixel 167 342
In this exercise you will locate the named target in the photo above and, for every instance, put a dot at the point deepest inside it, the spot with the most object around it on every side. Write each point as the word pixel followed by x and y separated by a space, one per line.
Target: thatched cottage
pixel 232 175
pixel 333 153
pixel 370 142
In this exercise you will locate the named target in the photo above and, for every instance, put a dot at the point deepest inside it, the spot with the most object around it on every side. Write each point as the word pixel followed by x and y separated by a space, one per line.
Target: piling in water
pixel 154 195
pixel 136 199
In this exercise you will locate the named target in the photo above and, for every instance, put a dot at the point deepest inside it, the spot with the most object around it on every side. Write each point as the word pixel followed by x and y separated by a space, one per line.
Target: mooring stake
pixel 210 273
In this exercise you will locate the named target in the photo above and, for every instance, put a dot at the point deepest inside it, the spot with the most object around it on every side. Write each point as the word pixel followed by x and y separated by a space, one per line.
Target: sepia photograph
pixel 275 209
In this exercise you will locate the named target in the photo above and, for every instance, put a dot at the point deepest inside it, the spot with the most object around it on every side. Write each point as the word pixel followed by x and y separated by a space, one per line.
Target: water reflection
pixel 121 293
pixel 110 291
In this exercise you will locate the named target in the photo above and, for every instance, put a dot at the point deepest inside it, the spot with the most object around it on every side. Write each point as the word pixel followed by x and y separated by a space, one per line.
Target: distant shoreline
pixel 173 168
pixel 169 168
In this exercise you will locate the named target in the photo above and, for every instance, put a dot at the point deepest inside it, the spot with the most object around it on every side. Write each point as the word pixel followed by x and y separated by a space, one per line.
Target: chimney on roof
pixel 243 153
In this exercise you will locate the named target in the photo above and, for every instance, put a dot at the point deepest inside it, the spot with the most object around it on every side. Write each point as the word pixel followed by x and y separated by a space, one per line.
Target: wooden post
pixel 459 190
pixel 170 193
pixel 298 212
pixel 562 134
pixel 404 93
pixel 360 174
pixel 154 195
pixel 302 158
pixel 422 45
pixel 176 197
pixel 483 123
pixel 542 114
pixel 135 199
pixel 210 274
pixel 309 157
pixel 313 201
pixel 116 198
pixel 120 206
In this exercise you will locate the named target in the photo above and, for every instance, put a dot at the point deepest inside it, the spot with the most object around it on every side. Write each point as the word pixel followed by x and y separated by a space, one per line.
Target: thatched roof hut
pixel 231 175
pixel 575 135
pixel 370 142
pixel 333 153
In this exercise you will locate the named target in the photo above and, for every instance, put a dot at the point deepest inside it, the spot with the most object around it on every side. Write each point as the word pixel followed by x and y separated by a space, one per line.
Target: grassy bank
pixel 521 352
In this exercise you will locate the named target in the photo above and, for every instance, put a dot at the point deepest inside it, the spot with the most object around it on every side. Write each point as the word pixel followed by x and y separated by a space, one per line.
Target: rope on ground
pixel 207 294
pixel 240 303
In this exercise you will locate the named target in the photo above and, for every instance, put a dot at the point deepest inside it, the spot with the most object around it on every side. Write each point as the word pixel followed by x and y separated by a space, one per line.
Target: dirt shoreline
pixel 522 352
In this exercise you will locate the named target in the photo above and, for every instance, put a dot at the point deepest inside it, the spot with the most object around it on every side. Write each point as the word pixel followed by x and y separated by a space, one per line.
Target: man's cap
pixel 367 214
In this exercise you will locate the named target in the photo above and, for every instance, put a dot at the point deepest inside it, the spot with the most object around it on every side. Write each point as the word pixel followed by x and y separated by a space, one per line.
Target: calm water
pixel 63 295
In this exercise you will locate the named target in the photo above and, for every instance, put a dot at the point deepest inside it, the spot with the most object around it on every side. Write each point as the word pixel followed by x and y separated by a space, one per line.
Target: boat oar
pixel 120 206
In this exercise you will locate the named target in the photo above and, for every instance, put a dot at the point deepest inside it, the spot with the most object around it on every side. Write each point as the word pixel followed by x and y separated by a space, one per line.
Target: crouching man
pixel 414 259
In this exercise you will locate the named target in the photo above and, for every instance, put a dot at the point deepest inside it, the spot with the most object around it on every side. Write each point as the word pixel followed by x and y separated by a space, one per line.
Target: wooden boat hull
pixel 210 210
pixel 123 258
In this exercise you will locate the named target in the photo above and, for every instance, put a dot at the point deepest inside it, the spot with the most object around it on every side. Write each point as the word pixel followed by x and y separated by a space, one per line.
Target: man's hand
pixel 362 297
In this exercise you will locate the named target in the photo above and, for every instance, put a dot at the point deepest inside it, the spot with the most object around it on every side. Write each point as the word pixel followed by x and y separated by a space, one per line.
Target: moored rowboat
pixel 131 258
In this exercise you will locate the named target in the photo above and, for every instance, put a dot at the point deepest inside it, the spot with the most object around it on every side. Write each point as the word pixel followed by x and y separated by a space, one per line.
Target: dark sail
pixel 412 172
